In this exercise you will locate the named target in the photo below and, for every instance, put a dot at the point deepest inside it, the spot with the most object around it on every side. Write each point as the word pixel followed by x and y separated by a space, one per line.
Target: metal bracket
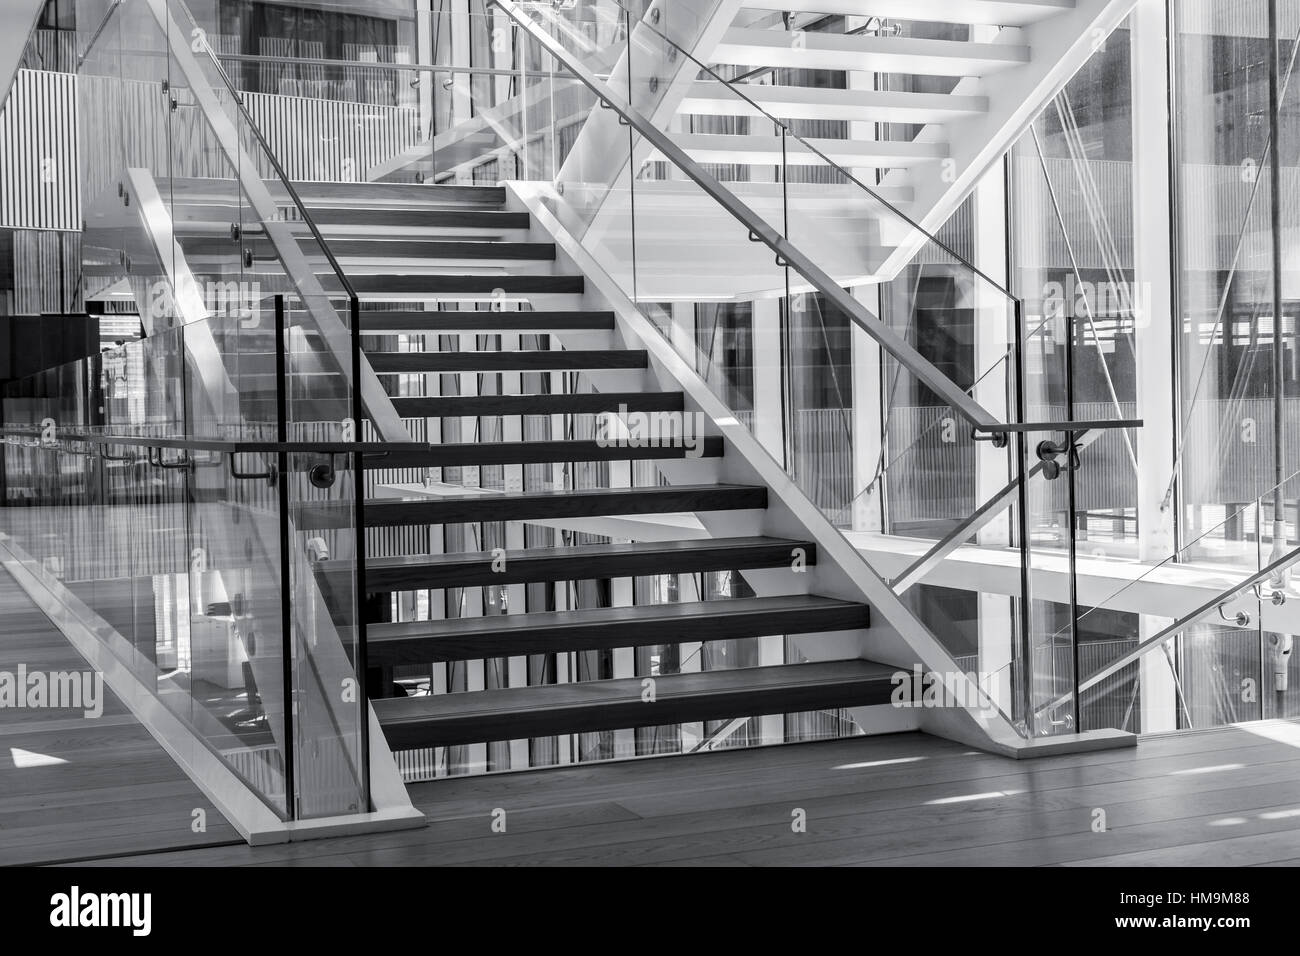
pixel 271 475
pixel 323 475
pixel 184 463
pixel 1277 598
pixel 1241 618
pixel 996 439
pixel 1047 452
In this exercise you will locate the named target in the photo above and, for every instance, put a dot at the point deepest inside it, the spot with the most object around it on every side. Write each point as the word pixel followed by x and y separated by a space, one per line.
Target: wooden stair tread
pixel 434 285
pixel 467 218
pixel 507 635
pixel 517 713
pixel 537 452
pixel 523 360
pixel 576 562
pixel 569 503
pixel 556 403
pixel 466 321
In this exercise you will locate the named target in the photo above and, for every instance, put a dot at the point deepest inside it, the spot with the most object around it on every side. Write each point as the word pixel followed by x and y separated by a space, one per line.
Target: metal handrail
pixel 759 230
pixel 275 162
pixel 732 87
pixel 1207 609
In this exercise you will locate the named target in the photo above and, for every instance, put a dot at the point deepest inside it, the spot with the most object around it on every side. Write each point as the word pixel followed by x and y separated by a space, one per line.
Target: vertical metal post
pixel 1071 518
pixel 631 159
pixel 1022 530
pixel 1275 223
pixel 361 597
pixel 286 565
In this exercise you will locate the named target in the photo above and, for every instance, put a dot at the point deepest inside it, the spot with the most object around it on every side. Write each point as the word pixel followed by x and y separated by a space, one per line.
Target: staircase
pixel 528 533
pixel 915 100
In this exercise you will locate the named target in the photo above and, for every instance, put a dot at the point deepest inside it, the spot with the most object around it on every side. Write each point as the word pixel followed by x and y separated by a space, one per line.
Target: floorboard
pixel 113 789
pixel 1229 795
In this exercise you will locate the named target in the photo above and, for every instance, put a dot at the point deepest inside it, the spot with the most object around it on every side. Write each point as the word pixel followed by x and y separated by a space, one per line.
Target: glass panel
pixel 724 299
pixel 1231 662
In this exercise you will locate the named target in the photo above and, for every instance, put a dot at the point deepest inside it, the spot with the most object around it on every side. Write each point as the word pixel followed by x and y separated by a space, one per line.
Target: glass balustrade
pixel 934 478
pixel 156 492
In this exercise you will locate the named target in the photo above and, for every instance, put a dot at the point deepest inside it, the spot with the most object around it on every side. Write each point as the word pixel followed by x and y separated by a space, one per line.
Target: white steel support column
pixel 682 331
pixel 1154 326
pixel 994 333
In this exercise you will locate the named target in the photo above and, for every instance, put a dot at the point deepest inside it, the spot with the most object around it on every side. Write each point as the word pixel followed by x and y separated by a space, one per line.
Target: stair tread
pixel 489 506
pixel 413 572
pixel 430 285
pixel 551 403
pixel 521 360
pixel 604 616
pixel 319 194
pixel 385 321
pixel 544 451
pixel 610 551
pixel 383 247
pixel 515 713
pixel 508 635
pixel 464 218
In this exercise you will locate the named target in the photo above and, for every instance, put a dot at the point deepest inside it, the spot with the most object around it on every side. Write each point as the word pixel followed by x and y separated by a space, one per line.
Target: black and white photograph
pixel 644 434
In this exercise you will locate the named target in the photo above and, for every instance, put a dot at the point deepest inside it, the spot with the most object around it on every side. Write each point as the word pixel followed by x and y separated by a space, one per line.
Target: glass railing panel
pixel 329 676
pixel 159 548
pixel 1230 658
pixel 781 344
pixel 237 633
pixel 325 554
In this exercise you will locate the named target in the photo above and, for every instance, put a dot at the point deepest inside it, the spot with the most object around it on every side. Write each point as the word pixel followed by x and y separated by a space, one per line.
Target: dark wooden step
pixel 558 403
pixel 581 503
pixel 522 712
pixel 537 452
pixel 488 219
pixel 486 322
pixel 577 563
pixel 318 194
pixel 549 360
pixel 508 635
pixel 386 248
pixel 440 285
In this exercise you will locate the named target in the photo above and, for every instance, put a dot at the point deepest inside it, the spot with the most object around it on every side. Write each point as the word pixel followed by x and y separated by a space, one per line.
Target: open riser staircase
pixel 539 594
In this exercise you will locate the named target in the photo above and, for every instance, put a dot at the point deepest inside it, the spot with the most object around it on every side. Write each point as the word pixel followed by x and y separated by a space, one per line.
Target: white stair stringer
pixel 896 636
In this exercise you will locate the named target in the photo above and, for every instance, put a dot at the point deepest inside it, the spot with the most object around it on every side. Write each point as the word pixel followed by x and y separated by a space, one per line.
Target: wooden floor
pixel 1229 797
pixel 73 787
